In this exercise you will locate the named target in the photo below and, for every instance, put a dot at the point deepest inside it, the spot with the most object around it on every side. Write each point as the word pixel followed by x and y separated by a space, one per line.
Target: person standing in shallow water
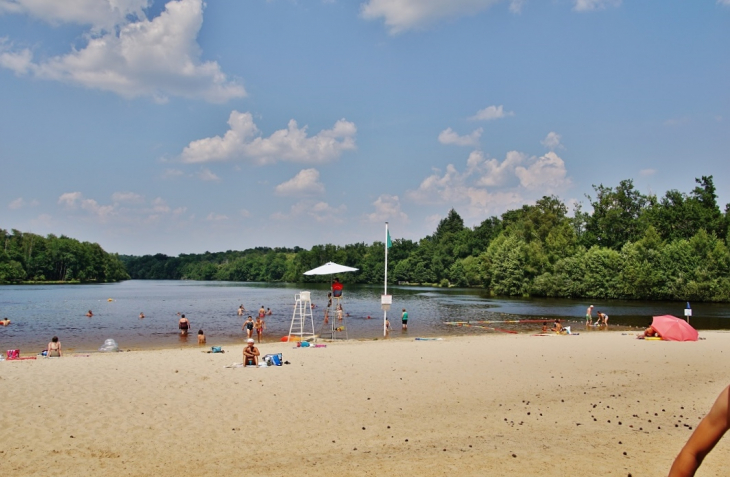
pixel 589 315
pixel 404 319
pixel 248 326
pixel 183 325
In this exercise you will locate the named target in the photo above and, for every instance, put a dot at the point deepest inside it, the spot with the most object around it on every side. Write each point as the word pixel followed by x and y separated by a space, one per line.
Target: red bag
pixel 13 354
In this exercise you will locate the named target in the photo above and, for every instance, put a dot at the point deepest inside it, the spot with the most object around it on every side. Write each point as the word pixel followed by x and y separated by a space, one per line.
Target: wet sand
pixel 594 404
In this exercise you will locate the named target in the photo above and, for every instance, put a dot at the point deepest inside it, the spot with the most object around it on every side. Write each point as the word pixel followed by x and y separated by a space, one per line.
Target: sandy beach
pixel 593 404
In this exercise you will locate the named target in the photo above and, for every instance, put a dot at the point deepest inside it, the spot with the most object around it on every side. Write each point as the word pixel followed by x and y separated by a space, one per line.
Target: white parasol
pixel 330 268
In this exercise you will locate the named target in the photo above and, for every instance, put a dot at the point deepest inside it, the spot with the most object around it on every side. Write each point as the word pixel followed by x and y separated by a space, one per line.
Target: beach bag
pixel 216 349
pixel 273 359
pixel 13 354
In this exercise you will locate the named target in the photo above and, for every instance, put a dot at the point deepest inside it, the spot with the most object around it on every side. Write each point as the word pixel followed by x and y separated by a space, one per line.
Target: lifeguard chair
pixel 302 318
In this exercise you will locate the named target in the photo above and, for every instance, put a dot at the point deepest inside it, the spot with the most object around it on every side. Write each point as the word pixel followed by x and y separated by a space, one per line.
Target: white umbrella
pixel 330 268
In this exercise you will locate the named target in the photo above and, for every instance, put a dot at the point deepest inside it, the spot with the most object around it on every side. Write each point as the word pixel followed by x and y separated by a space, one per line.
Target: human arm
pixel 708 433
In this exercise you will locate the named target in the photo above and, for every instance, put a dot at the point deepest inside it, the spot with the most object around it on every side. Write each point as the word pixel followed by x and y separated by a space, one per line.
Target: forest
pixel 631 246
pixel 31 258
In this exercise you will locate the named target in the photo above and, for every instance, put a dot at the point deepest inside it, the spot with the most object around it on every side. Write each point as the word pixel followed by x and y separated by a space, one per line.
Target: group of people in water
pixel 249 325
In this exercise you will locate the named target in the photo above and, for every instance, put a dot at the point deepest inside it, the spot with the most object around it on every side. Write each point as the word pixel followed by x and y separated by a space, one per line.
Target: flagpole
pixel 385 285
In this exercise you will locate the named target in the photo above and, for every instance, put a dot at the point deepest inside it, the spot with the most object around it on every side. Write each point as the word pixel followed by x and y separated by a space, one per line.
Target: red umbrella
pixel 672 328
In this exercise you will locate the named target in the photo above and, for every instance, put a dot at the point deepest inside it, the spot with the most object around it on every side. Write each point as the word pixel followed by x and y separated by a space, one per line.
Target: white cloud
pixel 387 208
pixel 245 213
pixel 126 53
pixel 589 5
pixel 489 186
pixel 243 141
pixel 159 205
pixel 130 197
pixel 305 183
pixel 448 136
pixel 216 217
pixel 490 113
pixel 515 6
pixel 100 14
pixel 546 174
pixel 172 173
pixel 320 212
pixel 723 2
pixel 206 175
pixel 647 172
pixel 19 203
pixel 402 15
pixel 103 212
pixel 552 141
pixel 69 199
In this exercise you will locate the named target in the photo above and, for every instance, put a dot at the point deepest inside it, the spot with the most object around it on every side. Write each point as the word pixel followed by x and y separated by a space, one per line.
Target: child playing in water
pixel 201 337
pixel 260 327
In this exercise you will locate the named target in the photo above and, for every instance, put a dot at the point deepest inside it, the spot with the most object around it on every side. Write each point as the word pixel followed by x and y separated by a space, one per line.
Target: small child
pixel 544 327
pixel 201 337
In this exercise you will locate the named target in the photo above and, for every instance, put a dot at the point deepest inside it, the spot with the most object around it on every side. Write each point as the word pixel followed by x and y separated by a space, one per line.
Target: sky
pixel 184 127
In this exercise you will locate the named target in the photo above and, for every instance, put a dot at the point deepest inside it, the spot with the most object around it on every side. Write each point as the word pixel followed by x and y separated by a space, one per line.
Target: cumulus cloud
pixel 647 172
pixel 244 141
pixel 449 136
pixel 402 15
pixel 100 14
pixel 19 203
pixel 126 53
pixel 387 208
pixel 490 113
pixel 207 175
pixel 515 6
pixel 489 186
pixel 130 197
pixel 305 183
pixel 69 199
pixel 321 212
pixel 552 141
pixel 216 217
pixel 589 5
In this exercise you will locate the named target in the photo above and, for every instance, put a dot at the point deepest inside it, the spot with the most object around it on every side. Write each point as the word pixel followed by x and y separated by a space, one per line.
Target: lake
pixel 39 312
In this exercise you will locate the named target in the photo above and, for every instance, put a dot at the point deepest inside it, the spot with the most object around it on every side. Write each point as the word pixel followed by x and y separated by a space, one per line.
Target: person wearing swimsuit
pixel 183 324
pixel 54 348
pixel 260 326
pixel 262 312
pixel 248 326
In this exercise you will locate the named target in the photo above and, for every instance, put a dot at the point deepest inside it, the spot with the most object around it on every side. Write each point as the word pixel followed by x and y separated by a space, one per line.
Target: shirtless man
pixel 251 354
pixel 708 433
pixel 260 327
pixel 183 325
pixel 5 321
pixel 241 309
pixel 589 316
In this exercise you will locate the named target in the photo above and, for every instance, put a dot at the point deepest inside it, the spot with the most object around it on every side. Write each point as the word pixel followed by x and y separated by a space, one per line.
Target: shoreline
pixel 592 404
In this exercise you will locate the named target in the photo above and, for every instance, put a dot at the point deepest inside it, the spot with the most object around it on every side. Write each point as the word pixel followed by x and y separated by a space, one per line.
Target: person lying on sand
pixel 251 354
pixel 650 332
pixel 708 433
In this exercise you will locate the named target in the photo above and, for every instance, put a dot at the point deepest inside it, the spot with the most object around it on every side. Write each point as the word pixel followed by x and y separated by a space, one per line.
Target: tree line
pixel 631 246
pixel 27 257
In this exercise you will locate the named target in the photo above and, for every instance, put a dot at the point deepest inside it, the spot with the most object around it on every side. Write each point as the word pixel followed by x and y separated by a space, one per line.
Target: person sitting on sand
pixel 544 327
pixel 4 321
pixel 183 325
pixel 201 337
pixel 89 313
pixel 54 348
pixel 708 433
pixel 557 327
pixel 251 354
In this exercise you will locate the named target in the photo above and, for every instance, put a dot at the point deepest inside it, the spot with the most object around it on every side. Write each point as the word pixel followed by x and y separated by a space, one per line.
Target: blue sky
pixel 182 127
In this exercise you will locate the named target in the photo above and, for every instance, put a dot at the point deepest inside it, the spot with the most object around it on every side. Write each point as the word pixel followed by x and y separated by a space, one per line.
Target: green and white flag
pixel 389 243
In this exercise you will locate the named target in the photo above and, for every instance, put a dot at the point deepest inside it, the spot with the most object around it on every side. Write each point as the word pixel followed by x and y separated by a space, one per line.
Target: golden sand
pixel 594 404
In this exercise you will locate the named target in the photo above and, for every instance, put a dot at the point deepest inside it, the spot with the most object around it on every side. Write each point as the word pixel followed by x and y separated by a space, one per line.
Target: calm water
pixel 38 312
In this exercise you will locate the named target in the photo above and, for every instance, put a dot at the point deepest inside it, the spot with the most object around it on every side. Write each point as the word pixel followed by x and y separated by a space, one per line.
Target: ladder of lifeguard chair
pixel 302 311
